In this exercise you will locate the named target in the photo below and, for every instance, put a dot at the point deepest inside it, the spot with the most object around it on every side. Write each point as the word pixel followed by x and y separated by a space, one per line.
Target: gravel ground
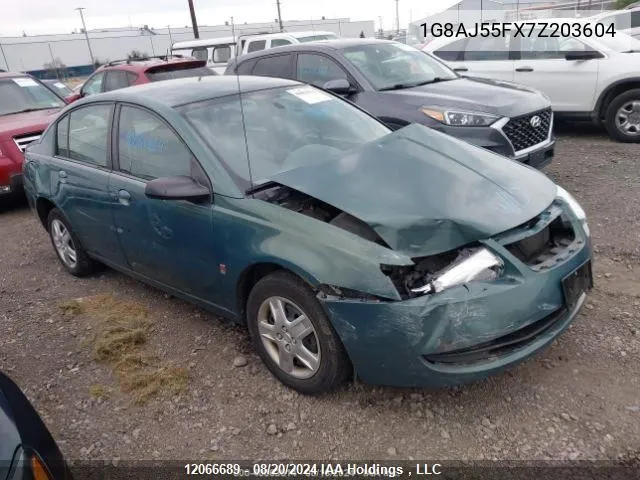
pixel 580 399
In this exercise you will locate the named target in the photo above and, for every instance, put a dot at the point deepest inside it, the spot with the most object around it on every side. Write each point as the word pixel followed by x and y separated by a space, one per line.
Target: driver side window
pixel 318 69
pixel 149 149
pixel 93 85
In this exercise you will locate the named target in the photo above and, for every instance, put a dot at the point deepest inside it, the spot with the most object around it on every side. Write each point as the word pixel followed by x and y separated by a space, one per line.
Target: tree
pixel 56 68
pixel 98 62
pixel 623 3
pixel 136 55
pixel 361 33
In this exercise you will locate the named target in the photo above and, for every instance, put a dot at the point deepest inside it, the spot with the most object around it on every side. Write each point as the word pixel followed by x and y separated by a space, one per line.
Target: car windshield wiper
pixel 260 186
pixel 26 110
pixel 400 86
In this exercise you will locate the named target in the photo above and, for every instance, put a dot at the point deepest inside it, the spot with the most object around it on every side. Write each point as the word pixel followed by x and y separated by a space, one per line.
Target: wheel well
pixel 43 207
pixel 613 92
pixel 250 277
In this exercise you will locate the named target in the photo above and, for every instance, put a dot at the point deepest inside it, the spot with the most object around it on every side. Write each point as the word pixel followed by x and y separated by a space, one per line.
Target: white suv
pixel 586 78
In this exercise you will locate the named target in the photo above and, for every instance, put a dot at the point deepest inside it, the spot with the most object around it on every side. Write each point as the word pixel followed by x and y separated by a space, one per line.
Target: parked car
pixel 27 449
pixel 26 108
pixel 215 51
pixel 255 43
pixel 125 73
pixel 586 78
pixel 410 257
pixel 625 21
pixel 401 85
pixel 58 87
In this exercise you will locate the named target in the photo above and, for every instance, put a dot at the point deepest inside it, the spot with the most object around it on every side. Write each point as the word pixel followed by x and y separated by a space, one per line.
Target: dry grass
pixel 99 391
pixel 119 340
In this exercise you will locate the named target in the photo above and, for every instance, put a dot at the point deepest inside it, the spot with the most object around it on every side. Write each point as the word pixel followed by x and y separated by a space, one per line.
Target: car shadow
pixel 13 203
pixel 579 129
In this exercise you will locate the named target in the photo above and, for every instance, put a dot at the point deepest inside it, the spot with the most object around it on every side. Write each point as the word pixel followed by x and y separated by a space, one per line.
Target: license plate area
pixel 576 283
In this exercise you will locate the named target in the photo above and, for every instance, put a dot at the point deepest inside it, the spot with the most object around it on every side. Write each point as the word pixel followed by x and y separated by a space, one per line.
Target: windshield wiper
pixel 259 187
pixel 400 86
pixel 26 110
pixel 631 51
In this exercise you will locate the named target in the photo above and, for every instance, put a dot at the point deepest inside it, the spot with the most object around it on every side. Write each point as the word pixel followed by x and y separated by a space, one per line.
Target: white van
pixel 254 43
pixel 216 51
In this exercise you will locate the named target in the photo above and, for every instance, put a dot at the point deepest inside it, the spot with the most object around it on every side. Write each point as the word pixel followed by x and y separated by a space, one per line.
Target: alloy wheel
pixel 289 337
pixel 64 243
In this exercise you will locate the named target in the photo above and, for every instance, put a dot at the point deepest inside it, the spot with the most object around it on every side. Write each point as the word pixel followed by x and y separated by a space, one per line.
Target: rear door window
pixel 115 79
pixel 87 135
pixel 221 54
pixel 245 68
pixel 256 45
pixel 200 53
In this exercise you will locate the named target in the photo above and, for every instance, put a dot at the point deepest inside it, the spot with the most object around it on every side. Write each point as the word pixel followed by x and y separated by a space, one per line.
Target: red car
pixel 124 73
pixel 26 108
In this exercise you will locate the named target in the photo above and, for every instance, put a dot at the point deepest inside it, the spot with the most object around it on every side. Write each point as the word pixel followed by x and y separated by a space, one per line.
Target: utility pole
pixel 4 56
pixel 86 35
pixel 279 16
pixel 194 23
pixel 170 37
pixel 233 30
pixel 397 17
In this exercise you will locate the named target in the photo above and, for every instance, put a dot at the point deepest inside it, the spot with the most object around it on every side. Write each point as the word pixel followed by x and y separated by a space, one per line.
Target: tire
pixel 83 265
pixel 332 367
pixel 611 114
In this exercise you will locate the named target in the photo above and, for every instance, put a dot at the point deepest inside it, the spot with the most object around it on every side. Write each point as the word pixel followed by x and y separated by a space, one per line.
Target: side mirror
pixel 339 86
pixel 176 188
pixel 581 55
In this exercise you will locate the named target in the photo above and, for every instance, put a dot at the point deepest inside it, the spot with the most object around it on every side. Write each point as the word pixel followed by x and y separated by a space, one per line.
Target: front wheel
pixel 622 118
pixel 293 335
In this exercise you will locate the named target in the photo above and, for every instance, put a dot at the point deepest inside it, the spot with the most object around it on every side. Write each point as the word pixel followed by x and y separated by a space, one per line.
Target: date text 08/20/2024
pixel 310 469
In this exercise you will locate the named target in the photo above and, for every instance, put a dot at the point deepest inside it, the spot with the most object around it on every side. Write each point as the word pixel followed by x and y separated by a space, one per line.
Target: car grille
pixel 522 134
pixel 22 141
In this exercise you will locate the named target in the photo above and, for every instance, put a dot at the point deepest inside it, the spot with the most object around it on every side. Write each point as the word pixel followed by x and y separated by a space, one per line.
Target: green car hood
pixel 424 192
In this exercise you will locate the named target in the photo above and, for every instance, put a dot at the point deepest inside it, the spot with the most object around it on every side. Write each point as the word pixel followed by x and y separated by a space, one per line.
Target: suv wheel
pixel 293 335
pixel 622 118
pixel 71 254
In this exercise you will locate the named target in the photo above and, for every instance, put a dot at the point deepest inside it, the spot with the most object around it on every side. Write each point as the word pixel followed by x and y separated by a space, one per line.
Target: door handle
pixel 124 197
pixel 524 69
pixel 62 175
pixel 461 69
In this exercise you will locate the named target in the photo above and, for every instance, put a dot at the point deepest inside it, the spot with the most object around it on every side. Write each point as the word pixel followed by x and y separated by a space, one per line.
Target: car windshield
pixel 396 65
pixel 620 43
pixel 313 38
pixel 59 87
pixel 24 94
pixel 181 72
pixel 284 128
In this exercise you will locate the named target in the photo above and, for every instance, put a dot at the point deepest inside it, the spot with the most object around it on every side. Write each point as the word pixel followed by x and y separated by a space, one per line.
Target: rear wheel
pixel 622 118
pixel 293 335
pixel 71 254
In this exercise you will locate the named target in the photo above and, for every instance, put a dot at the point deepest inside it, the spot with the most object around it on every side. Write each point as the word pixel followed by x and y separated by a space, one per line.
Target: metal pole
pixel 233 31
pixel 194 23
pixel 397 17
pixel 86 35
pixel 480 11
pixel 170 37
pixel 279 16
pixel 4 56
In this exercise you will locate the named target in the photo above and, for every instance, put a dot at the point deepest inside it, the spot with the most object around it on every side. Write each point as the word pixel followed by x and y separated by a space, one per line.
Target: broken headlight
pixel 439 272
pixel 575 207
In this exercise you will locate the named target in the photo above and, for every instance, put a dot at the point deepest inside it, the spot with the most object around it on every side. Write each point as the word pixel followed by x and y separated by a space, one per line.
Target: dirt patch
pixel 120 332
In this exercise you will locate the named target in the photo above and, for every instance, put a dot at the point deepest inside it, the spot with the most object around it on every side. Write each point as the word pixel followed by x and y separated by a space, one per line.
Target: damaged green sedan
pixel 408 258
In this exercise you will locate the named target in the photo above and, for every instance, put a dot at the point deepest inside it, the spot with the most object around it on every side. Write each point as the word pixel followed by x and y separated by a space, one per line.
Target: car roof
pixel 325 45
pixel 181 91
pixel 205 42
pixel 145 64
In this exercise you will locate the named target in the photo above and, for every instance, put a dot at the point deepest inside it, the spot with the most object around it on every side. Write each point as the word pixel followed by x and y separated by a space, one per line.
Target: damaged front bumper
pixel 464 333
